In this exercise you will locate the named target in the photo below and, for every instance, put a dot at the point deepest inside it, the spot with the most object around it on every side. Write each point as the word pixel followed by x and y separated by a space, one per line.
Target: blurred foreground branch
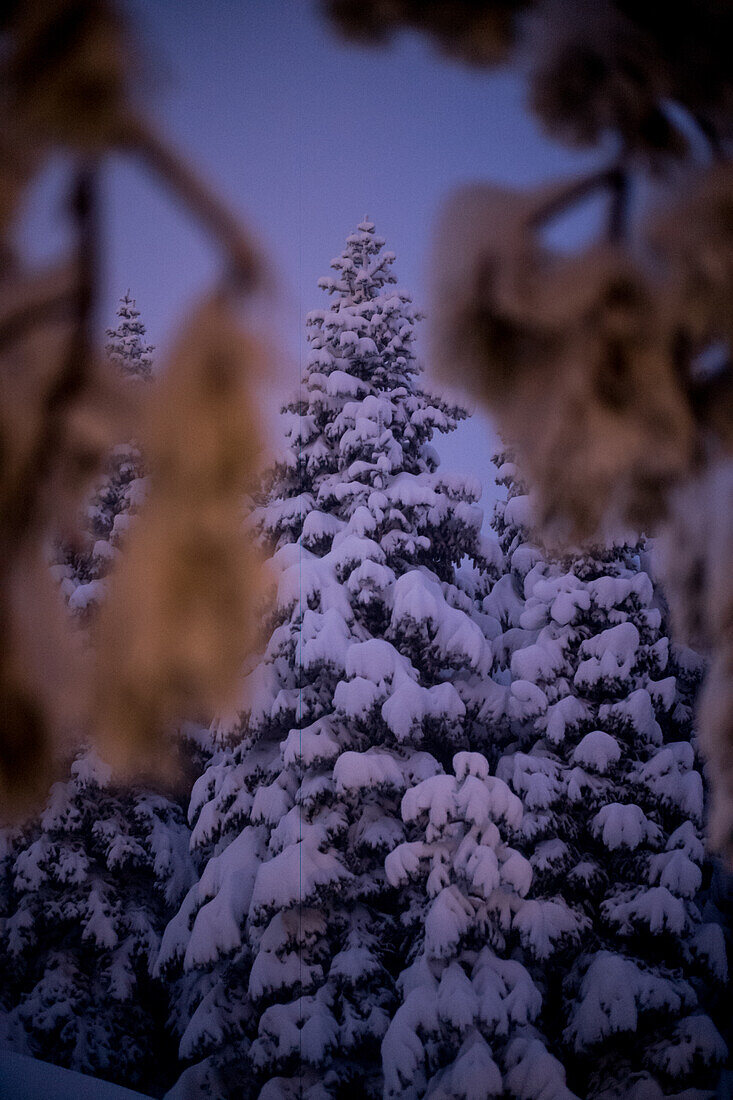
pixel 68 75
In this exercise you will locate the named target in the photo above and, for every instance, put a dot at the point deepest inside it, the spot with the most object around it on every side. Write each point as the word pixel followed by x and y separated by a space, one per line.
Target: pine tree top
pixel 360 420
pixel 368 331
pixel 127 307
pixel 128 349
pixel 363 272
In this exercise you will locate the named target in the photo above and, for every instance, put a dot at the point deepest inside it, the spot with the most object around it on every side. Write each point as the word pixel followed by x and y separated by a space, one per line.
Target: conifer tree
pixel 597 728
pixel 128 349
pixel 81 571
pixel 369 683
pixel 88 886
pixel 464 1028
pixel 93 883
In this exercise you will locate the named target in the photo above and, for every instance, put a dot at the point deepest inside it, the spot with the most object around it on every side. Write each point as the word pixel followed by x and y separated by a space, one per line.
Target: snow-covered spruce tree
pixel 599 747
pixel 87 888
pixel 128 350
pixel 464 1027
pixel 80 570
pixel 93 884
pixel 368 685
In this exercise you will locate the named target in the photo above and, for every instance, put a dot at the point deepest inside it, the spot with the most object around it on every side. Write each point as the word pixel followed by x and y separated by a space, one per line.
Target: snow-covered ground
pixel 23 1078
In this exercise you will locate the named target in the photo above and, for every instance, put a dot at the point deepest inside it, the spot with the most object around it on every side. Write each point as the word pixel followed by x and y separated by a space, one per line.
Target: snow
pixel 686 839
pixel 655 908
pixel 609 656
pixel 637 711
pixel 435 797
pixel 559 598
pixel 470 763
pixel 507 995
pixel 376 660
pixel 457 1001
pixel 309 746
pixel 24 1078
pixel 295 876
pixel 402 1047
pixel 99 924
pixel 88 768
pixel 538 663
pixel 86 594
pixel 565 716
pixel 696 1040
pixel 417 599
pixel 613 991
pixel 225 893
pixel 709 943
pixel 276 969
pixel 319 525
pixel 663 692
pixel 518 512
pixel 541 924
pixel 356 698
pixel 270 803
pixel 671 776
pixel 339 383
pixel 356 771
pixel 611 592
pixel 323 640
pixel 474 1075
pixel 534 778
pixel 623 826
pixel 597 750
pixel 533 1074
pixel 526 700
pixel 410 705
pixel 676 872
pixel 503 602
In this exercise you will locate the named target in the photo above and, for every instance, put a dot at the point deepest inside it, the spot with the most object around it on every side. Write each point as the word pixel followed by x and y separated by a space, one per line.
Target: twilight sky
pixel 303 135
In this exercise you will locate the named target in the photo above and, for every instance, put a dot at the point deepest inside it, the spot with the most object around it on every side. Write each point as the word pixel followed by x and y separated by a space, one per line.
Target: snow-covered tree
pixel 81 569
pixel 368 684
pixel 87 888
pixel 463 1030
pixel 599 747
pixel 128 350
pixel 92 885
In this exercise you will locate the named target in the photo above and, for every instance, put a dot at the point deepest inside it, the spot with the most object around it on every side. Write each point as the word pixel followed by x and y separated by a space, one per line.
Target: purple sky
pixel 303 135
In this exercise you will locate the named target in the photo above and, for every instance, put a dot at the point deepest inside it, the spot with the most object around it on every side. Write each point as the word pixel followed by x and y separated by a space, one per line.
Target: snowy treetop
pixel 128 349
pixel 363 272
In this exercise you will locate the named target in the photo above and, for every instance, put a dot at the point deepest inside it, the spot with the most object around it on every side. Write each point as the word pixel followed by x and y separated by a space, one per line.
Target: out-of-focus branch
pixel 245 263
pixel 712 402
pixel 618 207
pixel 67 70
pixel 612 177
pixel 38 305
pixel 21 512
